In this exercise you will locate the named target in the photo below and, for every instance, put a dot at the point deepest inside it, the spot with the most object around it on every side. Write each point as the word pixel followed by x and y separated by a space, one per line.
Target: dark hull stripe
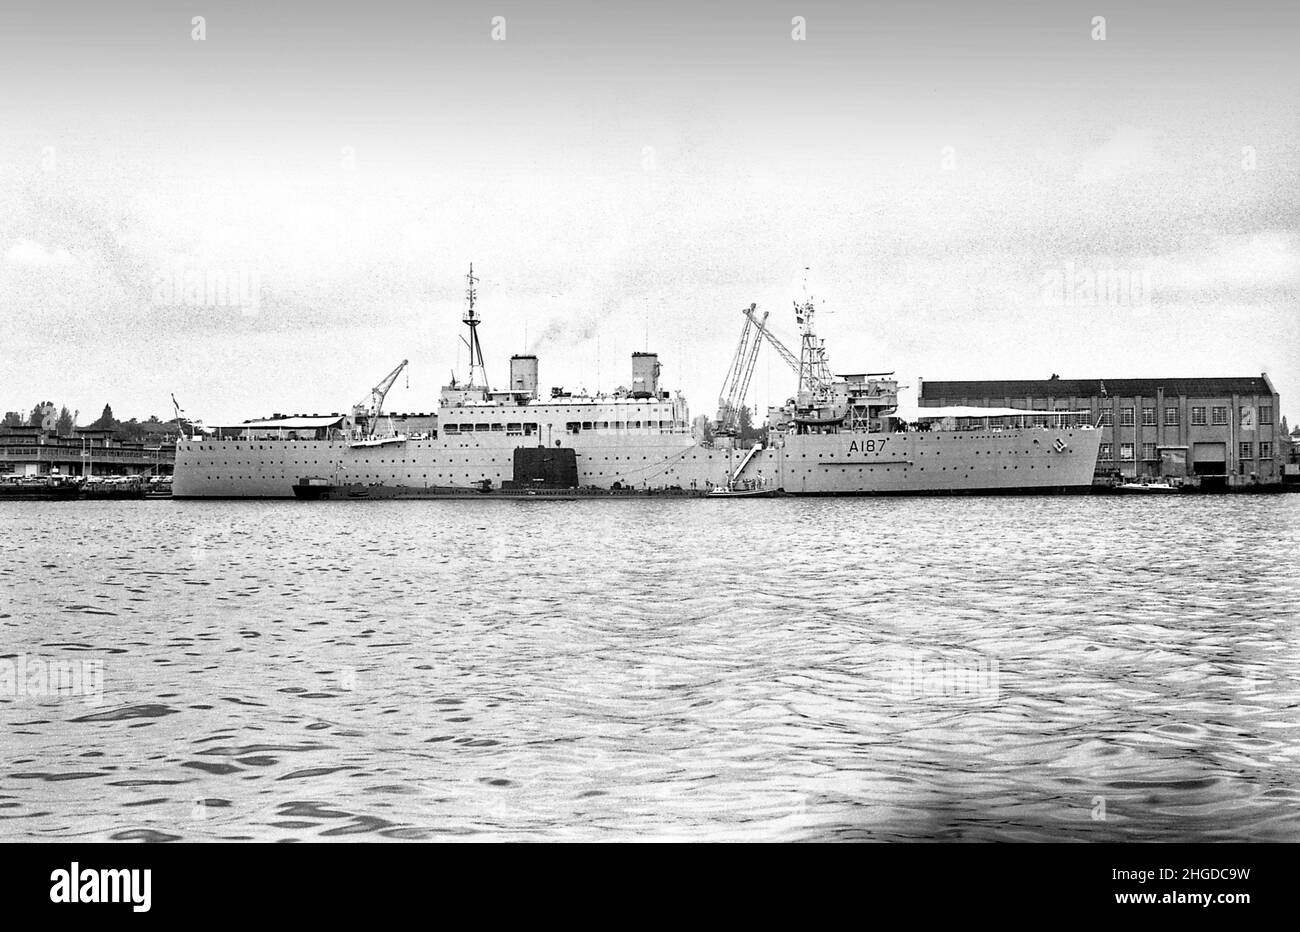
pixel 388 493
pixel 928 493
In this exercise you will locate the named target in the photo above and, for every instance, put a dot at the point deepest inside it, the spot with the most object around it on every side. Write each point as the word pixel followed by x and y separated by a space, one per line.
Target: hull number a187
pixel 868 446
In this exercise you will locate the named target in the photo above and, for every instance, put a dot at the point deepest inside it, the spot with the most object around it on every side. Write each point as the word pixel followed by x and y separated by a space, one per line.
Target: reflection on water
pixel 982 669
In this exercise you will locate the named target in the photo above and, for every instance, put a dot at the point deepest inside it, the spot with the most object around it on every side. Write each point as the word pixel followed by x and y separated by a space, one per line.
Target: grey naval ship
pixel 836 435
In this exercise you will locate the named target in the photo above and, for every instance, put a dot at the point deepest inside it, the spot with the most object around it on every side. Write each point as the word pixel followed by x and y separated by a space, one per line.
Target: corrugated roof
pixel 1086 388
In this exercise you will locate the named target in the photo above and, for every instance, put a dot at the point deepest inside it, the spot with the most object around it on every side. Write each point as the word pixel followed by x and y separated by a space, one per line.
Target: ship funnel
pixel 523 375
pixel 645 375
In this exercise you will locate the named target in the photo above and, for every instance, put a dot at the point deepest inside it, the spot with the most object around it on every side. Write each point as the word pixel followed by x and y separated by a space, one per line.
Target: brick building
pixel 1221 429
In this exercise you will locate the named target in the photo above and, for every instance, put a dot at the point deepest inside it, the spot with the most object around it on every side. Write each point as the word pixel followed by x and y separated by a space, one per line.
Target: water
pixel 978 669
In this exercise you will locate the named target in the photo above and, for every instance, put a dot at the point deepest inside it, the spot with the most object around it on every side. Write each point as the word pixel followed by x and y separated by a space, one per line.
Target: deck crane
pixel 813 370
pixel 369 409
pixel 736 386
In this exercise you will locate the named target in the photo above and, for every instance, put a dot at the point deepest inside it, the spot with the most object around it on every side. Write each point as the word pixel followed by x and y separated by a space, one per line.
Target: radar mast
pixel 477 372
pixel 814 369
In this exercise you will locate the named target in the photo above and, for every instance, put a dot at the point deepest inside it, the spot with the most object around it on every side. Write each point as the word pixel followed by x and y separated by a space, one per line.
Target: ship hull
pixel 973 462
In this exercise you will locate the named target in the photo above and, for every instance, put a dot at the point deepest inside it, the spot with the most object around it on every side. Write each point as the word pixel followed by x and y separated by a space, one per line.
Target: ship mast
pixel 477 371
pixel 814 370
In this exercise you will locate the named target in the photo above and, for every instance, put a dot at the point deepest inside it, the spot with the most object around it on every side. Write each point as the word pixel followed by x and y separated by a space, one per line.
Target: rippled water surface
pixel 980 669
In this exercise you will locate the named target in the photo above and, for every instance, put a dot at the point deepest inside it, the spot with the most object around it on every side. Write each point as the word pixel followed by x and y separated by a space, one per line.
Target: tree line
pixel 42 415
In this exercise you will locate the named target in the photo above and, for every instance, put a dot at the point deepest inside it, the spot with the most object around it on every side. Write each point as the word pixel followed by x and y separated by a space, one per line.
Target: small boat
pixel 159 487
pixel 378 441
pixel 724 492
pixel 1145 488
pixel 746 488
pixel 810 420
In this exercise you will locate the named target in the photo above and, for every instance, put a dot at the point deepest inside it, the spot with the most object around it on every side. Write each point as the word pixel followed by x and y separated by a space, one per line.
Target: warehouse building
pixel 1223 430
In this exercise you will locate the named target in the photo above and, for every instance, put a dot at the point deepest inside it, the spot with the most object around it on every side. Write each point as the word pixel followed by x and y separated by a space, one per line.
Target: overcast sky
pixel 626 176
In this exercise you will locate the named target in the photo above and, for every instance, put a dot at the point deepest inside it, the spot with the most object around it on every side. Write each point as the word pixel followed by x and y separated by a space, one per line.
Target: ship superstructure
pixel 836 435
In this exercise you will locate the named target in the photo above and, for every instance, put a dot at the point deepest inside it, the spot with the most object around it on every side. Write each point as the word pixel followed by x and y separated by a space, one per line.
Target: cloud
pixel 29 252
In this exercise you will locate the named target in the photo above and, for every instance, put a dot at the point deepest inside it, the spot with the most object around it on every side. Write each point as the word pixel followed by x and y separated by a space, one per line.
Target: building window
pixel 1265 415
pixel 1126 449
pixel 1244 450
pixel 1148 417
pixel 1107 451
pixel 1171 417
pixel 1107 417
pixel 1148 451
pixel 1125 417
pixel 1265 449
pixel 1219 416
pixel 1198 416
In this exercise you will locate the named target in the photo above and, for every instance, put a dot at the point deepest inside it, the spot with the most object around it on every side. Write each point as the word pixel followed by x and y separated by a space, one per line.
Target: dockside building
pixel 31 451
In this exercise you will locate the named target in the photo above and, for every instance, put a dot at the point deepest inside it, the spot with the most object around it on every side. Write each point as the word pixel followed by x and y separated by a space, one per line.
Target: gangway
pixel 735 476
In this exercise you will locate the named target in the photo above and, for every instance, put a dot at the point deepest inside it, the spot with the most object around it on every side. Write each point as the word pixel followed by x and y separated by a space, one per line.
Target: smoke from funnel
pixel 593 306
